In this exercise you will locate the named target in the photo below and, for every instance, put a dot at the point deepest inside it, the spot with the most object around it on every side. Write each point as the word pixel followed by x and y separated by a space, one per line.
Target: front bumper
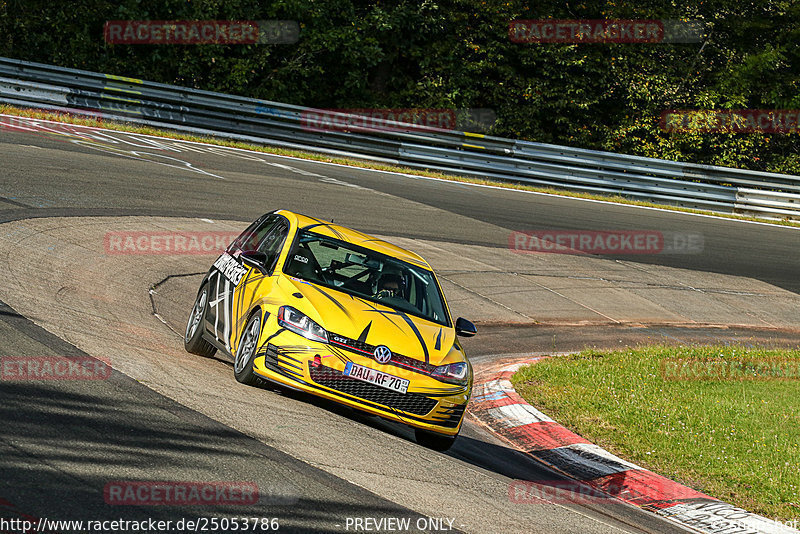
pixel 428 404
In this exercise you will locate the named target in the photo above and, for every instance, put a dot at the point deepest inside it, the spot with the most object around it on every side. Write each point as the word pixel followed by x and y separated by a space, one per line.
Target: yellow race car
pixel 339 314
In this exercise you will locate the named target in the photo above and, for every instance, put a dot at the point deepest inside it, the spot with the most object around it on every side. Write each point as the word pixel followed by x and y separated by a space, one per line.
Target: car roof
pixel 361 239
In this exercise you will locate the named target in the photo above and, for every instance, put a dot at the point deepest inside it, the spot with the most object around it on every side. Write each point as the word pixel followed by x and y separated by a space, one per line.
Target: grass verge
pixel 734 438
pixel 147 130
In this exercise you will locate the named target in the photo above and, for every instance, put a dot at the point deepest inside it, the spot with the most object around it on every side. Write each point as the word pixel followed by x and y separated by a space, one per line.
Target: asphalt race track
pixel 167 415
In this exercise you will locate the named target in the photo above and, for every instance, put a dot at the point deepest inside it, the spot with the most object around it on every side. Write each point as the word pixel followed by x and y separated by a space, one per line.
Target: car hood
pixel 372 323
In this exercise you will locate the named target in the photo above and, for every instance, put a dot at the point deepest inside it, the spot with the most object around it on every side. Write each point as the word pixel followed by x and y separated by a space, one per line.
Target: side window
pixel 239 241
pixel 272 243
pixel 255 233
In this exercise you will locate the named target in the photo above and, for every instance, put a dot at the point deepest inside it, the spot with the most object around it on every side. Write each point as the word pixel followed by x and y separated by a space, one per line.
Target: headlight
pixel 299 323
pixel 455 373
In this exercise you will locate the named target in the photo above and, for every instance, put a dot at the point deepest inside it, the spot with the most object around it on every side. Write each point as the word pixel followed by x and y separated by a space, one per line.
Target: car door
pixel 258 281
pixel 231 273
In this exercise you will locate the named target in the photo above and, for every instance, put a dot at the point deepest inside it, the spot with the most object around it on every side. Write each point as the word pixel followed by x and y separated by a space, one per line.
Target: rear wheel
pixel 193 338
pixel 246 352
pixel 432 440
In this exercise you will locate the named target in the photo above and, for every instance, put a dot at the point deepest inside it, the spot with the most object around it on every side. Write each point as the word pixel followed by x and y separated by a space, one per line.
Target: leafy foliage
pixel 457 54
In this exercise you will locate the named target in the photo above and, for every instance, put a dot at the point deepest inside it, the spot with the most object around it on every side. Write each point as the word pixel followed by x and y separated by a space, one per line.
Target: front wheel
pixel 193 337
pixel 432 440
pixel 246 352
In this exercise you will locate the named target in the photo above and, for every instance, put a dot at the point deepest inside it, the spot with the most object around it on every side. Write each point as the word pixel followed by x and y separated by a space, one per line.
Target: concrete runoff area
pixel 62 280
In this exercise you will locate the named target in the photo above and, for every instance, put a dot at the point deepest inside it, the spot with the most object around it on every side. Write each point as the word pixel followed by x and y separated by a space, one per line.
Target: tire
pixel 193 337
pixel 432 440
pixel 246 352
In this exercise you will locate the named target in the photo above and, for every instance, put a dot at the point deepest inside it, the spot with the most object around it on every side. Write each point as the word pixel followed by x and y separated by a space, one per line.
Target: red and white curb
pixel 496 404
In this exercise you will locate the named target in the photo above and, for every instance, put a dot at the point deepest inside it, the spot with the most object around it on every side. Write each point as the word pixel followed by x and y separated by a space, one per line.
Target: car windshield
pixel 368 275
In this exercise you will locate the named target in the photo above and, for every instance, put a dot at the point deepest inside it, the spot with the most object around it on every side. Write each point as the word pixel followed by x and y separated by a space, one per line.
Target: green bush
pixel 457 54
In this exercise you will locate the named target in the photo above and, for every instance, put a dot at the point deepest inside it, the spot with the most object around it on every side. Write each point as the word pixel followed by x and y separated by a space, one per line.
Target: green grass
pixel 736 440
pixel 353 162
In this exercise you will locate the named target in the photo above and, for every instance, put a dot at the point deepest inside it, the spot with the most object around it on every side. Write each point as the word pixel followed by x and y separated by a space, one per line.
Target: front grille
pixel 350 342
pixel 407 402
pixel 398 360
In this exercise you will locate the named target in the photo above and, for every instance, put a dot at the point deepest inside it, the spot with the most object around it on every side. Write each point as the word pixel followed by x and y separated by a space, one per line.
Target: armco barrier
pixel 720 189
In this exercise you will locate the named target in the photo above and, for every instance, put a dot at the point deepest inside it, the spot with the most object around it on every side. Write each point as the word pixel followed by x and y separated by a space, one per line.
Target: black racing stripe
pixel 338 304
pixel 418 334
pixel 385 314
pixel 292 373
pixel 327 225
pixel 339 353
pixel 289 364
pixel 287 374
pixel 239 304
pixel 294 349
pixel 276 334
pixel 285 355
pixel 363 336
pixel 335 232
pixel 439 340
pixel 249 280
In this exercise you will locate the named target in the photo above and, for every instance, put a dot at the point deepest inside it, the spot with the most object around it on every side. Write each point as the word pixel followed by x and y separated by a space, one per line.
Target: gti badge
pixel 382 354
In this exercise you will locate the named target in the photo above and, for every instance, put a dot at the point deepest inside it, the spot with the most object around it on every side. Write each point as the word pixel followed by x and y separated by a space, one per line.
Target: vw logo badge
pixel 382 354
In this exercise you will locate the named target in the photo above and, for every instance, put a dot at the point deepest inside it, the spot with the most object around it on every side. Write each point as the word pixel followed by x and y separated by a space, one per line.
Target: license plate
pixel 378 378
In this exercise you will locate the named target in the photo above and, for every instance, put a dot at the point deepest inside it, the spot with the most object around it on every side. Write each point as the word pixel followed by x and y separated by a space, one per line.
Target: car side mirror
pixel 257 259
pixel 465 328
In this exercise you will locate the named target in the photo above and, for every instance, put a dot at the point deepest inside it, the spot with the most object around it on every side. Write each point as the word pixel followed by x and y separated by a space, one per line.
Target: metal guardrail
pixel 720 189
